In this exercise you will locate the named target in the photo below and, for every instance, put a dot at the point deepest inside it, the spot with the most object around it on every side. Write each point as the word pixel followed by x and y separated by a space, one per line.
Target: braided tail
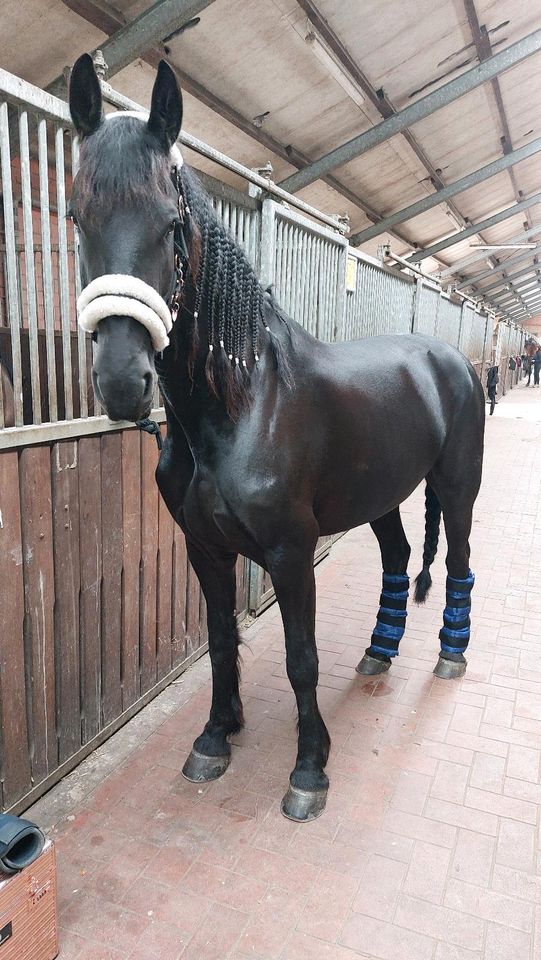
pixel 432 534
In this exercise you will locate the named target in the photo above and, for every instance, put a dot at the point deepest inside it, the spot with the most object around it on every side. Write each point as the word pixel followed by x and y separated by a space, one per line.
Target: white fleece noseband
pixel 121 295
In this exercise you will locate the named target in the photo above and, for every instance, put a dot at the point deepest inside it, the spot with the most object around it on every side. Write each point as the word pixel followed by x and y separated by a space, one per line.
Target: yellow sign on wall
pixel 351 274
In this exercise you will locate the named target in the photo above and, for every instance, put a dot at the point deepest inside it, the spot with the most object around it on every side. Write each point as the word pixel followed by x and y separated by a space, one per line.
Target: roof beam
pixel 513 297
pixel 477 257
pixel 133 38
pixel 509 279
pixel 514 289
pixel 532 307
pixel 377 98
pixel 484 51
pixel 108 19
pixel 422 108
pixel 471 180
pixel 520 301
pixel 500 268
pixel 520 287
pixel 470 231
pixel 533 300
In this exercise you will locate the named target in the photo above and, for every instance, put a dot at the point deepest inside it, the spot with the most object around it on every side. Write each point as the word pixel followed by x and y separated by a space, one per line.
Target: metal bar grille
pixel 29 265
pixel 13 302
pixel 63 270
pixel 47 268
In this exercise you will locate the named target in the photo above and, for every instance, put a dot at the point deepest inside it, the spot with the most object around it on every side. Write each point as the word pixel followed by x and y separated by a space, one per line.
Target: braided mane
pixel 237 308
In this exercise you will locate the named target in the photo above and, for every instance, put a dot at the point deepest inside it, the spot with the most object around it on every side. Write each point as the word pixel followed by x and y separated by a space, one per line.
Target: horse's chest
pixel 205 513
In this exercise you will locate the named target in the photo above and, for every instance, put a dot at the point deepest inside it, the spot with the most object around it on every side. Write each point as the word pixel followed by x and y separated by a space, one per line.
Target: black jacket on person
pixel 492 378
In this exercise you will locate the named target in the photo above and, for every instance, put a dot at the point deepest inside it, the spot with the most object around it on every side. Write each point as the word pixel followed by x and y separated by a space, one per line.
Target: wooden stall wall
pixel 101 605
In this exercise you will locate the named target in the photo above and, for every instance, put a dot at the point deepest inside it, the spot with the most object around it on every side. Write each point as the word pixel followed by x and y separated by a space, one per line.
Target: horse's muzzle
pixel 123 373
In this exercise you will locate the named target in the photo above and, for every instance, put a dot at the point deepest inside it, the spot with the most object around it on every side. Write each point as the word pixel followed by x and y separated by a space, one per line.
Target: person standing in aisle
pixel 492 384
pixel 536 367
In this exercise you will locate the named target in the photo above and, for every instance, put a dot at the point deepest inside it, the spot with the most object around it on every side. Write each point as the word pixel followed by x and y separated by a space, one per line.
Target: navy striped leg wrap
pixel 455 633
pixel 391 619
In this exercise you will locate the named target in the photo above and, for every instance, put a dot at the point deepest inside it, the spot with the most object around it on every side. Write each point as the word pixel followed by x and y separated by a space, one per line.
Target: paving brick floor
pixel 429 846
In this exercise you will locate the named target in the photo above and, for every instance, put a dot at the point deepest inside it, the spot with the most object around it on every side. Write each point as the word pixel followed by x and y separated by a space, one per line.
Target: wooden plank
pixel 91 578
pixel 179 587
pixel 166 529
pixel 14 760
pixel 111 596
pixel 37 544
pixel 131 552
pixel 149 557
pixel 65 491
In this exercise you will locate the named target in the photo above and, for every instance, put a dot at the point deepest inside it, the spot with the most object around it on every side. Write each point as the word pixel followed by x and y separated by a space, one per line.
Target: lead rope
pixel 181 260
pixel 150 426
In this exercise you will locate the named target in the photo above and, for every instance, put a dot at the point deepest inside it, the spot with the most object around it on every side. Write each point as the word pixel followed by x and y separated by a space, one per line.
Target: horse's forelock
pixel 121 163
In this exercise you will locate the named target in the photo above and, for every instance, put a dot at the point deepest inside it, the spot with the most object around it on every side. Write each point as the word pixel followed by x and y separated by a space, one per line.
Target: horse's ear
pixel 85 96
pixel 165 118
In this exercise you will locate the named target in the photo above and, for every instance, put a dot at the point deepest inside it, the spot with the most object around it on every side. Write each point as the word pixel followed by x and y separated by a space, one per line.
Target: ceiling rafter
pixel 105 17
pixel 483 48
pixel 377 98
pixel 131 39
pixel 464 183
pixel 443 96
pixel 474 228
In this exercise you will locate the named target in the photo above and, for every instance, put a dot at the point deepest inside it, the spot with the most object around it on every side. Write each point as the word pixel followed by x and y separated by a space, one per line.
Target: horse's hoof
pixel 370 666
pixel 450 669
pixel 200 769
pixel 303 805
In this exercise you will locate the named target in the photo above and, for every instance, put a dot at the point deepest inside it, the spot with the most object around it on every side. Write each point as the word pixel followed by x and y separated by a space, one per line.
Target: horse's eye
pixel 171 227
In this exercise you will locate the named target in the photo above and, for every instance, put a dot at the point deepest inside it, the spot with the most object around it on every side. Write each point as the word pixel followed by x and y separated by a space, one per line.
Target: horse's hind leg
pixel 457 502
pixel 391 619
pixel 292 572
pixel 211 751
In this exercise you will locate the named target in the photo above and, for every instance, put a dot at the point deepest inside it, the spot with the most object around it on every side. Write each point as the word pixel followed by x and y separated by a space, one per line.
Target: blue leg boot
pixel 455 633
pixel 390 626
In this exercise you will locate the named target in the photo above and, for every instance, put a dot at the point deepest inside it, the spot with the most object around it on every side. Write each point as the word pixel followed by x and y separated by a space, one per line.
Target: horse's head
pixel 125 206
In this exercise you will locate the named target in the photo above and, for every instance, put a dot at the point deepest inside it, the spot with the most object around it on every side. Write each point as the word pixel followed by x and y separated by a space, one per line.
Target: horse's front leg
pixel 292 573
pixel 211 751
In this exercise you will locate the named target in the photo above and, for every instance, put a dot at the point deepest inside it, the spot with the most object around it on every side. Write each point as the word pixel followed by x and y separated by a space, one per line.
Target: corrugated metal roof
pixel 253 55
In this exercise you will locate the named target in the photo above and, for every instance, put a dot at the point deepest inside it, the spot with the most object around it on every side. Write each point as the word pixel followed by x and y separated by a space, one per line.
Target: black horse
pixel 273 438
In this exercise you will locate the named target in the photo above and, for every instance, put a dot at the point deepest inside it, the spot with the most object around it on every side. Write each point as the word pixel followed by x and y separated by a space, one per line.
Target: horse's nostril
pixel 148 381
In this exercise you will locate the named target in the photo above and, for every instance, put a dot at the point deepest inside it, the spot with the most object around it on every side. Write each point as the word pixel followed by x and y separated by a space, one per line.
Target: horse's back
pixel 387 408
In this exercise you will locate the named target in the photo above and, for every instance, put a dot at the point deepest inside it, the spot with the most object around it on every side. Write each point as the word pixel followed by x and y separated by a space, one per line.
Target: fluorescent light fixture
pixel 503 246
pixel 334 68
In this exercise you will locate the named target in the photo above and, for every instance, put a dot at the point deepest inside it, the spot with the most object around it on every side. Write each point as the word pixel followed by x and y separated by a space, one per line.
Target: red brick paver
pixel 429 847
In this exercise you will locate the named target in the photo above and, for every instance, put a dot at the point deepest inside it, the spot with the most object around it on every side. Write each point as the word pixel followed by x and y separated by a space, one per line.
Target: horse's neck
pixel 183 378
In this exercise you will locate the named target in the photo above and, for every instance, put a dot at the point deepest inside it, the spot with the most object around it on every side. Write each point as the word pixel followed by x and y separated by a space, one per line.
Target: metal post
pixel 63 270
pixel 340 318
pixel 268 242
pixel 30 268
pixel 46 267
